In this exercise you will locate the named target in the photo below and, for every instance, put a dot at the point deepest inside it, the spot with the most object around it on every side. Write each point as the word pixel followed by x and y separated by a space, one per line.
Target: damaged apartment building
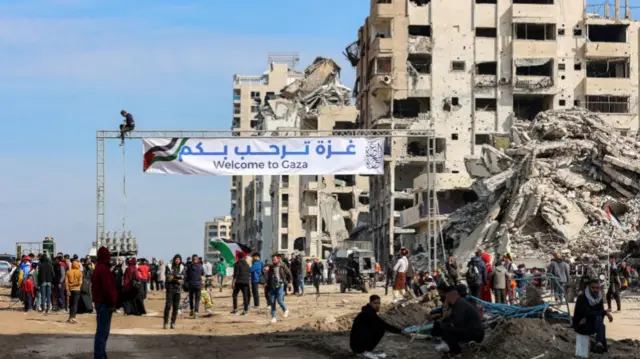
pixel 469 71
pixel 311 214
pixel 250 200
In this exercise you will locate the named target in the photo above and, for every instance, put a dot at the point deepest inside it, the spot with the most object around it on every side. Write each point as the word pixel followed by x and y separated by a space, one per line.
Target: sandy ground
pixel 317 328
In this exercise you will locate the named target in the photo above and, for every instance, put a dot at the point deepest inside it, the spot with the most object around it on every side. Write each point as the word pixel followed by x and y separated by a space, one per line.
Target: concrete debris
pixel 333 218
pixel 550 189
pixel 420 44
pixel 320 87
pixel 542 83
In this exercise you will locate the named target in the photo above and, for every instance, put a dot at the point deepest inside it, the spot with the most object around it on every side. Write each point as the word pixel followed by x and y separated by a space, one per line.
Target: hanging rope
pixel 124 188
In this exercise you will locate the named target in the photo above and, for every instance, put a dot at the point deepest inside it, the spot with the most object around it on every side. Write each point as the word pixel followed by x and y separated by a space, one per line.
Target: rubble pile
pixel 320 87
pixel 551 189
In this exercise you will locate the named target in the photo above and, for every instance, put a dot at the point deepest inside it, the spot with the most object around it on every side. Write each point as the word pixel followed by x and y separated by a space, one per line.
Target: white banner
pixel 264 156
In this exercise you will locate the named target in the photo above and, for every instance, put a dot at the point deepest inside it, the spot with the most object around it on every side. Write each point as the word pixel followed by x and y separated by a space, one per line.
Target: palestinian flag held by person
pixel 229 250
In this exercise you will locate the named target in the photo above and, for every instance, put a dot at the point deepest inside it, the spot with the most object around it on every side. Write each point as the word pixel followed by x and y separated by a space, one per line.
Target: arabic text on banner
pixel 264 156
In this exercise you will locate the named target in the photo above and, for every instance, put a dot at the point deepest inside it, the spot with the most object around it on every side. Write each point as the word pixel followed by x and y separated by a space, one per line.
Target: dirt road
pixel 326 320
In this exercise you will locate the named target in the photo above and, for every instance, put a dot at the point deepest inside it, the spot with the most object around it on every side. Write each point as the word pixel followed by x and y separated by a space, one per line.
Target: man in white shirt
pixel 208 273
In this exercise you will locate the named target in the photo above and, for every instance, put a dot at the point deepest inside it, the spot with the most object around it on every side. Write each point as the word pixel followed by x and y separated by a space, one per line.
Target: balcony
pixel 382 9
pixel 380 82
pixel 420 45
pixel 608 86
pixel 310 186
pixel 534 48
pixel 533 84
pixel 533 13
pixel 419 14
pixel 607 49
pixel 416 217
pixel 309 211
pixel 381 45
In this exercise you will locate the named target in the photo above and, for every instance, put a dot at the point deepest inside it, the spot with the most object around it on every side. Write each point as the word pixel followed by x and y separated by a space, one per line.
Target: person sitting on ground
pixel 589 313
pixel 128 125
pixel 368 328
pixel 463 324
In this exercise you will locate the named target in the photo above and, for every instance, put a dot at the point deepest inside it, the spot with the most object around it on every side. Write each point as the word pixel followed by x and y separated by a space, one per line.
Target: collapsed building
pixel 568 182
pixel 326 209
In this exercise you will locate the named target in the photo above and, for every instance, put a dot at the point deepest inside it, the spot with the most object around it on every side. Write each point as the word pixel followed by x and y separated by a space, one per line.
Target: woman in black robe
pixel 133 293
pixel 15 289
pixel 85 304
pixel 118 275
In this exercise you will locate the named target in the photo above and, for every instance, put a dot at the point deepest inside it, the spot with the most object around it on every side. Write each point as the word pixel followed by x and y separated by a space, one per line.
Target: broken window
pixel 576 103
pixel 236 94
pixel 285 200
pixel 235 123
pixel 381 29
pixel 417 146
pixel 457 66
pixel 411 107
pixel 486 104
pixel 285 181
pixel 284 241
pixel 383 65
pixel 420 30
pixel 420 62
pixel 455 101
pixel 486 32
pixel 363 198
pixel 607 33
pixel 353 53
pixel 534 67
pixel 487 68
pixel 284 220
pixel 441 144
pixel 454 136
pixel 345 180
pixel 451 200
pixel 526 107
pixel 535 31
pixel 607 68
pixel 535 2
pixel 560 32
pixel 346 200
pixel 577 66
pixel 608 104
pixel 236 108
pixel 255 94
pixel 253 124
pixel 577 32
pixel 562 103
pixel 343 125
pixel 269 96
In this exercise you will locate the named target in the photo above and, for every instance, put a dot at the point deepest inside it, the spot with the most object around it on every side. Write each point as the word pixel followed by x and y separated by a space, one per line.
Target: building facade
pixel 468 71
pixel 220 228
pixel 249 92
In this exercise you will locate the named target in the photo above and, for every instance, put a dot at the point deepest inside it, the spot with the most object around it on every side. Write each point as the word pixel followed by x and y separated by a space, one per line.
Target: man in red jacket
pixel 104 296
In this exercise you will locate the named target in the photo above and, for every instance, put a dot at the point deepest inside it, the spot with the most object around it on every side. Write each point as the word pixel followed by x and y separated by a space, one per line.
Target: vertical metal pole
pixel 124 188
pixel 100 186
pixel 392 179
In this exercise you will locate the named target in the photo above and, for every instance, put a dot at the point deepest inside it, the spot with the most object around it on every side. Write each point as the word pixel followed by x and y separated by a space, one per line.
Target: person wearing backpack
pixel 476 274
pixel 257 278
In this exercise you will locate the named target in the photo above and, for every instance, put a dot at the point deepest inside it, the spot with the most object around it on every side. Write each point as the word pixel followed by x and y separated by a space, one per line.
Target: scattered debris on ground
pixel 552 189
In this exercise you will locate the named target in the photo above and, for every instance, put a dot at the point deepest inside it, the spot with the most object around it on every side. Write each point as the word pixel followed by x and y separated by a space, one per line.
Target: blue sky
pixel 69 66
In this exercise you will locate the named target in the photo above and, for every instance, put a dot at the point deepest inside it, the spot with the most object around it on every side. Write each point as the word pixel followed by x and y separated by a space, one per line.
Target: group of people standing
pixel 63 285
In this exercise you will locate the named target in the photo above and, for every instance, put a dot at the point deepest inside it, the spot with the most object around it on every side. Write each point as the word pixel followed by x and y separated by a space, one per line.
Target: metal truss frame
pixel 103 135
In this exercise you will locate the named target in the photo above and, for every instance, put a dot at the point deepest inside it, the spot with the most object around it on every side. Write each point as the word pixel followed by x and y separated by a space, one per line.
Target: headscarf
pixel 132 262
pixel 590 298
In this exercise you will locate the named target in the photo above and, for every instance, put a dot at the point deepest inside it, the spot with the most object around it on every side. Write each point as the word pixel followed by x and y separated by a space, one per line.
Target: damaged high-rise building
pixel 469 71
pixel 311 214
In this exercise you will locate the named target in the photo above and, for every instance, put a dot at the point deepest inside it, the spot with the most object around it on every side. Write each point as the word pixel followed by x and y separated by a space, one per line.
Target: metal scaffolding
pixel 103 135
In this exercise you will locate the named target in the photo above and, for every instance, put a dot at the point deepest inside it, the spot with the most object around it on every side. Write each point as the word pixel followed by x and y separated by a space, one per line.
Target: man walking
pixel 241 278
pixel 559 269
pixel 195 272
pixel 208 273
pixel 103 290
pixel 221 272
pixel 174 275
pixel 316 274
pixel 277 277
pixel 153 268
pixel 45 279
pixel 257 269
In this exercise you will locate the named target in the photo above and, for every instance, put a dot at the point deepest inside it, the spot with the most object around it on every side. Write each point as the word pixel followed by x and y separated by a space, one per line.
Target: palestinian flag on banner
pixel 229 250
pixel 163 153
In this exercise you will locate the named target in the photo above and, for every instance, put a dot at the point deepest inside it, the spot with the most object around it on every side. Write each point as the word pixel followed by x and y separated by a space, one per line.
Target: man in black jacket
pixel 368 328
pixel 195 271
pixel 464 324
pixel 297 274
pixel 240 283
pixel 317 269
pixel 45 280
pixel 589 313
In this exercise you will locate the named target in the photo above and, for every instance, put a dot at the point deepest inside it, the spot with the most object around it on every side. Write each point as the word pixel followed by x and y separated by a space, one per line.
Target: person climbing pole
pixel 128 125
